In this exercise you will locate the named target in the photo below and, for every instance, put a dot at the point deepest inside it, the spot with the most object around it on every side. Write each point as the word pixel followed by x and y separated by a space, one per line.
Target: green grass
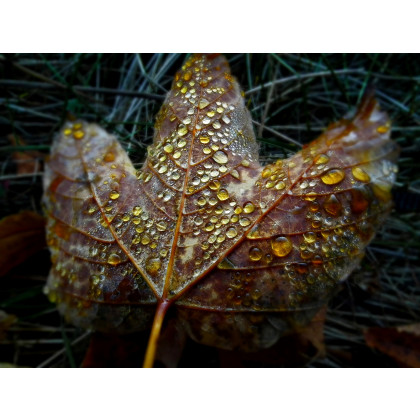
pixel 292 98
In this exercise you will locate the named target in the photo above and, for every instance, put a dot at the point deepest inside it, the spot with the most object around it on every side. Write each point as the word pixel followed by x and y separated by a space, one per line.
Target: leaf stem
pixel 161 310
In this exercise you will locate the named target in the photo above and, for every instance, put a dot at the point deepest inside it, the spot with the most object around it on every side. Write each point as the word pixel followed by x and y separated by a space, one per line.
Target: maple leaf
pixel 243 252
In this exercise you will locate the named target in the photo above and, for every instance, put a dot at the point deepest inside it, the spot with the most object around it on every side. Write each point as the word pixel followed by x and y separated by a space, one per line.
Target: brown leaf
pixel 27 162
pixel 244 253
pixel 21 235
pixel 401 343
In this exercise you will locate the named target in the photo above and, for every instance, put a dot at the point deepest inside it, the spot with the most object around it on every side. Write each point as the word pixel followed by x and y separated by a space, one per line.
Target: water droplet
pixel 321 159
pixel 309 237
pixel 201 201
pixel 222 195
pixel 333 176
pixel 214 185
pixel 67 131
pixel 204 140
pixel 161 226
pixel 114 259
pixel 113 195
pixel 182 130
pixel 78 135
pixel 167 196
pixel 209 227
pixel 109 157
pixel 216 125
pixel 137 211
pixel 332 205
pixel 168 148
pixel 206 120
pixel 203 103
pixel 231 232
pixel 220 157
pixel 244 221
pixel 153 265
pixel 280 185
pixel 177 155
pixel 266 173
pixel 281 246
pixel 360 174
pixel 255 254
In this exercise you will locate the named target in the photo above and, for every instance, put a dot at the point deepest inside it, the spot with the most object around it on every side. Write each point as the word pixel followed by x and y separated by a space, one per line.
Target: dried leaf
pixel 401 343
pixel 27 162
pixel 244 253
pixel 21 235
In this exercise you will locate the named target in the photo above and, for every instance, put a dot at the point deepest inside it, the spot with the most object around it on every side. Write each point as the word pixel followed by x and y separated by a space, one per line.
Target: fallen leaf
pixel 27 162
pixel 243 253
pixel 401 343
pixel 21 235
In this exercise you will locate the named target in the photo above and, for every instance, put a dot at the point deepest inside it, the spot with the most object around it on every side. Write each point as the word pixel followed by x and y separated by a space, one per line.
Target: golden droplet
pixel 113 195
pixel 360 174
pixel 231 232
pixel 220 157
pixel 203 103
pixel 187 76
pixel 281 246
pixel 114 259
pixel 214 185
pixel 204 140
pixel 153 265
pixel 161 226
pixel 280 185
pixel 78 135
pixel 67 131
pixel 309 237
pixel 109 157
pixel 255 254
pixel 244 221
pixel 168 148
pixel 249 207
pixel 182 130
pixel 332 205
pixel 321 159
pixel 266 173
pixel 222 195
pixel 137 211
pixel 333 176
pixel 382 129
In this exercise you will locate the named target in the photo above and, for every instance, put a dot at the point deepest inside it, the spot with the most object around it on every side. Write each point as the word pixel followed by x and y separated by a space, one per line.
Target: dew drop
pixel 161 226
pixel 231 232
pixel 222 195
pixel 204 140
pixel 255 254
pixel 321 159
pixel 332 205
pixel 137 211
pixel 168 148
pixel 203 103
pixel 182 130
pixel 153 265
pixel 333 176
pixel 281 246
pixel 78 135
pixel 244 221
pixel 216 125
pixel 113 195
pixel 109 157
pixel 309 237
pixel 360 174
pixel 114 259
pixel 220 157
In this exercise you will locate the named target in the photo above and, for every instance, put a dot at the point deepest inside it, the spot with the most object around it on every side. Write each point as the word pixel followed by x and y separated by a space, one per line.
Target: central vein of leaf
pixel 169 272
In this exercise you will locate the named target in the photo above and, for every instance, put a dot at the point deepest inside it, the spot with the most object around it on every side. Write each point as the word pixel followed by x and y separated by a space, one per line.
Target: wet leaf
pixel 21 235
pixel 243 253
pixel 401 343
